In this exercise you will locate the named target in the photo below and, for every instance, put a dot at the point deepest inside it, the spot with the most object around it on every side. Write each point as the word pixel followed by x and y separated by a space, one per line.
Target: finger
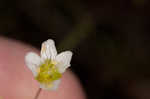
pixel 17 82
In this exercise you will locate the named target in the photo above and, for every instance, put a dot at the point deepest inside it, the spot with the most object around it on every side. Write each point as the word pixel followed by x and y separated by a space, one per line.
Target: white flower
pixel 48 68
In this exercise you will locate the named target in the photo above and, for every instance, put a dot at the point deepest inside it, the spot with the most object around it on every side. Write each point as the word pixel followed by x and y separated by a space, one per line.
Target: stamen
pixel 47 73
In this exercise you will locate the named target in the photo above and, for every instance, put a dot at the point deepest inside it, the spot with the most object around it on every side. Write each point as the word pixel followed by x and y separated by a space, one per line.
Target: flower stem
pixel 38 93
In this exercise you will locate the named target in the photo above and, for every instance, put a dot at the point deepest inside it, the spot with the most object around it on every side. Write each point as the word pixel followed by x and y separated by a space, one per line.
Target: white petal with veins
pixel 63 60
pixel 32 60
pixel 54 85
pixel 44 87
pixel 48 50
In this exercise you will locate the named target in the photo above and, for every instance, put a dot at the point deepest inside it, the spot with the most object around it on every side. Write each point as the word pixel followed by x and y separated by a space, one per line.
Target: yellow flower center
pixel 48 72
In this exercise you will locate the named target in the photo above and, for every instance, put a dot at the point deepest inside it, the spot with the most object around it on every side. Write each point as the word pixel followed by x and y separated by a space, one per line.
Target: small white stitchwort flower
pixel 48 68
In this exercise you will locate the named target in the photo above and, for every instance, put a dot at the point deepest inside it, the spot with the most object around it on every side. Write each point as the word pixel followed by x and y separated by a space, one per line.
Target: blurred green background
pixel 109 38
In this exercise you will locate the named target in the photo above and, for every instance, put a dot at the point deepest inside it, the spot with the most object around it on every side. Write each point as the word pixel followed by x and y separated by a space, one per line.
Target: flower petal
pixel 32 61
pixel 63 60
pixel 48 50
pixel 53 86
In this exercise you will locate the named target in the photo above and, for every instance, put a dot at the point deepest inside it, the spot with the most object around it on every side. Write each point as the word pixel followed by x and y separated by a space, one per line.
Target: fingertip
pixel 17 80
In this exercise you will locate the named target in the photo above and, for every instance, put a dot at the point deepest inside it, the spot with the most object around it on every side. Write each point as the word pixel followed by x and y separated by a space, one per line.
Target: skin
pixel 17 82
